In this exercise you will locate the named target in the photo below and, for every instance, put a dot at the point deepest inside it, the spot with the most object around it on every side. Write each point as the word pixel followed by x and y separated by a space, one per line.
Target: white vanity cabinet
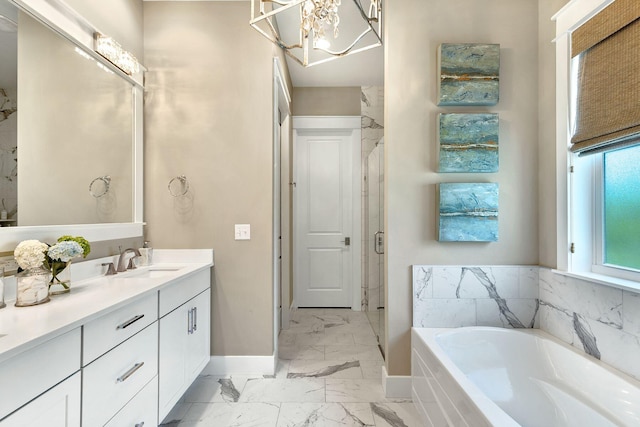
pixel 34 374
pixel 119 352
pixel 184 337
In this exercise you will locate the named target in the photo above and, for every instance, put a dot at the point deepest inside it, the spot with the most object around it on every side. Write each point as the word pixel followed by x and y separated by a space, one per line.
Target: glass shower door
pixel 375 241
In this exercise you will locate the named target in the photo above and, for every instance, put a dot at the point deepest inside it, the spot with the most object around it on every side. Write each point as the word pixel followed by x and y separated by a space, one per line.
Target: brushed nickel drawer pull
pixel 139 424
pixel 130 321
pixel 190 322
pixel 130 372
pixel 195 319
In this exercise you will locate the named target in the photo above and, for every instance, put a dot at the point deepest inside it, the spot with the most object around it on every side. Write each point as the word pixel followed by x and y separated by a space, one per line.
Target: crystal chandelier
pixel 300 26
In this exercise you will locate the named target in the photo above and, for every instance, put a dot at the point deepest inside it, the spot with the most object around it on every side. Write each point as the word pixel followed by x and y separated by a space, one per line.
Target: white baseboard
pixel 240 365
pixel 396 386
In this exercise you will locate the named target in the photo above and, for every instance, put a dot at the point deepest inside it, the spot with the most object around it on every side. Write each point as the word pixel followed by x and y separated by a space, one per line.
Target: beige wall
pixel 326 101
pixel 208 115
pixel 410 146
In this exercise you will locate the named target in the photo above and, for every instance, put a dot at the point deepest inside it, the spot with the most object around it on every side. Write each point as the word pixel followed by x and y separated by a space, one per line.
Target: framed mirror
pixel 70 130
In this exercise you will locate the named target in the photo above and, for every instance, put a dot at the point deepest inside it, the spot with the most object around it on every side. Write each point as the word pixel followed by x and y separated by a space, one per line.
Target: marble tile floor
pixel 329 374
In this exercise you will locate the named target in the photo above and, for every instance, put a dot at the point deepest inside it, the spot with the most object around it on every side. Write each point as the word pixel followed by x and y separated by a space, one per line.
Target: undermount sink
pixel 151 273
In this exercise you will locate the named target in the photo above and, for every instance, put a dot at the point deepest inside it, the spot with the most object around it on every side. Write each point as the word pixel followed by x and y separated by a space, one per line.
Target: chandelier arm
pixel 277 38
pixel 262 15
pixel 333 58
pixel 282 2
pixel 345 51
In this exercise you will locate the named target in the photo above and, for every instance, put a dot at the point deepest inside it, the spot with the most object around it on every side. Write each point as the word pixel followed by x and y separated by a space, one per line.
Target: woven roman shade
pixel 608 89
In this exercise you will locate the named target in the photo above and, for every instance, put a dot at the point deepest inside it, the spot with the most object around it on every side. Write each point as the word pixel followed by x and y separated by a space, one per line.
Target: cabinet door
pixel 58 407
pixel 172 378
pixel 199 349
pixel 184 349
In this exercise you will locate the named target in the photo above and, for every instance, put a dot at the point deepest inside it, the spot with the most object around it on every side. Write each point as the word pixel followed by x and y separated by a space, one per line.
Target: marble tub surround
pixel 92 295
pixel 328 374
pixel 600 320
pixel 455 296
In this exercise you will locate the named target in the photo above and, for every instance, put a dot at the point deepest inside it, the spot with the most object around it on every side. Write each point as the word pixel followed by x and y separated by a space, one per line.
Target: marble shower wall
pixel 455 296
pixel 600 320
pixel 372 113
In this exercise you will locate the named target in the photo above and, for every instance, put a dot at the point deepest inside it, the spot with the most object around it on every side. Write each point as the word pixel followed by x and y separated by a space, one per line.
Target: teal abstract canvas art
pixel 468 212
pixel 469 74
pixel 468 142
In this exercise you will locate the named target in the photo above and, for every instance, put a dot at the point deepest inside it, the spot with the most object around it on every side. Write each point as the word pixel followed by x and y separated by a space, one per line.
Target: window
pixel 621 208
pixel 604 188
pixel 606 215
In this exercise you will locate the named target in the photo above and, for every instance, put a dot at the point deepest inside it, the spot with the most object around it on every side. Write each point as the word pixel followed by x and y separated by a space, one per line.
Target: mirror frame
pixel 71 25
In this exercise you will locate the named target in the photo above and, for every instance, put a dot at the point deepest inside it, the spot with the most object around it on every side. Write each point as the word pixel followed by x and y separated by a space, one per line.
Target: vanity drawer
pixel 112 380
pixel 31 373
pixel 183 290
pixel 106 332
pixel 141 411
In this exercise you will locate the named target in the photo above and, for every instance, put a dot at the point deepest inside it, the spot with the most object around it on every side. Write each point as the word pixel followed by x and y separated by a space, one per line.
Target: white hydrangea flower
pixel 30 254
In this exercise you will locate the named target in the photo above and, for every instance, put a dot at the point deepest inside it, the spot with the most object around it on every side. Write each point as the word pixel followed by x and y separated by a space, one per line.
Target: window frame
pixel 599 265
pixel 586 196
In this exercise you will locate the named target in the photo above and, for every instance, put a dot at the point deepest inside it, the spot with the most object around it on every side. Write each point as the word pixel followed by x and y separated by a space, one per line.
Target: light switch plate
pixel 243 232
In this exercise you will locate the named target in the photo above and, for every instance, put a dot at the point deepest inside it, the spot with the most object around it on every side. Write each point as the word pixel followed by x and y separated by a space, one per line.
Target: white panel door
pixel 324 203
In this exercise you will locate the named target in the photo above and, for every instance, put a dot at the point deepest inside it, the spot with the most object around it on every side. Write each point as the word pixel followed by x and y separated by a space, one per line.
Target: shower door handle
pixel 379 242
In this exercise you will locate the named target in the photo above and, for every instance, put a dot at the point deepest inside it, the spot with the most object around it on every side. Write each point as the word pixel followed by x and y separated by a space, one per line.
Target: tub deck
pixel 482 376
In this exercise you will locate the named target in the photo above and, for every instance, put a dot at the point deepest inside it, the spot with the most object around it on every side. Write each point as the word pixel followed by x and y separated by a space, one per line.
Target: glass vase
pixel 60 278
pixel 32 287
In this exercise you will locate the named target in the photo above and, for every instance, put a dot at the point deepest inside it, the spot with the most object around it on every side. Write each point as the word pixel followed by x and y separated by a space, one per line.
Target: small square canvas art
pixel 469 74
pixel 468 142
pixel 468 212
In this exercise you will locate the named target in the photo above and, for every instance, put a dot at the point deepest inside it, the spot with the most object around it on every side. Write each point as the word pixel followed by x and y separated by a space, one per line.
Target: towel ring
pixel 95 190
pixel 184 186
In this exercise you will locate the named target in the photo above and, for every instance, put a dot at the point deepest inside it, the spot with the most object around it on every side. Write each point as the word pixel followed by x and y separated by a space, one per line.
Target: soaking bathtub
pixel 481 376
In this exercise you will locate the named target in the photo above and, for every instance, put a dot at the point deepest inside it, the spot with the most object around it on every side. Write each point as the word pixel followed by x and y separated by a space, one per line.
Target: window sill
pixel 601 279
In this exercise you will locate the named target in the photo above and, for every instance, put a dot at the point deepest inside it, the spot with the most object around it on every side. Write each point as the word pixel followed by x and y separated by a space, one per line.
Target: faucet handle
pixel 132 265
pixel 111 270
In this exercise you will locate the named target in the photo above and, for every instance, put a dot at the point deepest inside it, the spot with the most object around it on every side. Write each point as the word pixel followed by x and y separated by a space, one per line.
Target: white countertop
pixel 22 328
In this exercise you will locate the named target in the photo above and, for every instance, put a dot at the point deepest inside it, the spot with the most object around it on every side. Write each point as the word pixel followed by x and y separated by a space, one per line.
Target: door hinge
pixel 572 248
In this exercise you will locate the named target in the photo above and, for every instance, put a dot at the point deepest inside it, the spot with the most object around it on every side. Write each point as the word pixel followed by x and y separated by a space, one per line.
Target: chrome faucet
pixel 121 260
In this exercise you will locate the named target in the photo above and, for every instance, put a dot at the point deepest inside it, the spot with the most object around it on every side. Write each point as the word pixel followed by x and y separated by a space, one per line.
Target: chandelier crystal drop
pixel 316 14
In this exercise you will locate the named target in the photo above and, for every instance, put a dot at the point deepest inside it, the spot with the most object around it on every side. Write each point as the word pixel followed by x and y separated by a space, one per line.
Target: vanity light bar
pixel 114 53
